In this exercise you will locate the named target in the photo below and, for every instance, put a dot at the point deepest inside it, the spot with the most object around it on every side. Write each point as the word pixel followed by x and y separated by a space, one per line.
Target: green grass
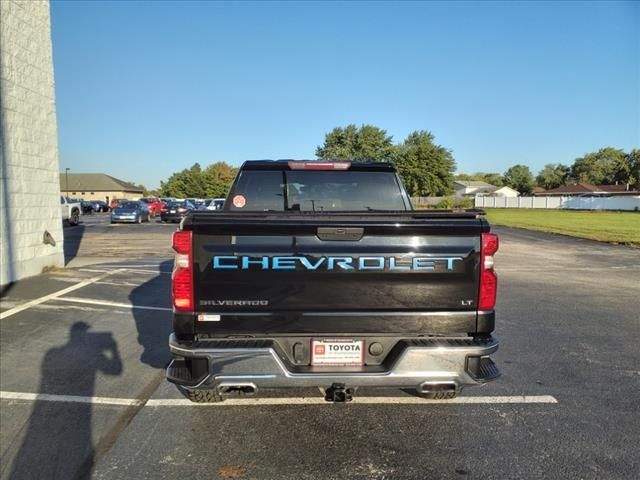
pixel 612 227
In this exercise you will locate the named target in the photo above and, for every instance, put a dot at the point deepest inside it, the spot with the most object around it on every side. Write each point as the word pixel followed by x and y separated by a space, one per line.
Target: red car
pixel 115 201
pixel 154 204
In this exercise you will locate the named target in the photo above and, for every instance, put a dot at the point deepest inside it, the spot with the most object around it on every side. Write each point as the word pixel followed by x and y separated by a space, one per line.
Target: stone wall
pixel 29 181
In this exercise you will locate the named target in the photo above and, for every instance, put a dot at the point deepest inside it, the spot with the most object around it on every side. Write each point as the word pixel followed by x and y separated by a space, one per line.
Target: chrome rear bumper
pixel 457 362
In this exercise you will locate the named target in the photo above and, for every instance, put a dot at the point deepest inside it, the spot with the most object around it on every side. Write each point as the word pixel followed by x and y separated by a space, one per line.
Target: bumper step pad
pixel 181 373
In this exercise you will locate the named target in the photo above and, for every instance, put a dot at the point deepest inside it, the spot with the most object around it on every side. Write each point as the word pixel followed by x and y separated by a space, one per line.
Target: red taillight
pixel 182 276
pixel 319 165
pixel 488 278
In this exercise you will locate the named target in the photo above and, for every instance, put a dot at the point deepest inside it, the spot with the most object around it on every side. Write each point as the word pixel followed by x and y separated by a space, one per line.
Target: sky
pixel 144 89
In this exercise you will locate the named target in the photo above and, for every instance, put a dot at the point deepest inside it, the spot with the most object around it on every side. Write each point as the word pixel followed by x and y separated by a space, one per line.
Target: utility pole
pixel 66 180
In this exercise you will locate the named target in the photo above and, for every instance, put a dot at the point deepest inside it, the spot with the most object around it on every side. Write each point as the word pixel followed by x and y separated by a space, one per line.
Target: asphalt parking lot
pixel 83 395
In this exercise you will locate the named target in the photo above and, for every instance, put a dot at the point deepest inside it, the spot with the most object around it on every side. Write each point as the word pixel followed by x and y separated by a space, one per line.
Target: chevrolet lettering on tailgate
pixel 234 262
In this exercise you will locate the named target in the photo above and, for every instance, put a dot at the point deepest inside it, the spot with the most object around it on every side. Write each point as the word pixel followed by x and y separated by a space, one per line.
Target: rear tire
pixel 74 218
pixel 201 396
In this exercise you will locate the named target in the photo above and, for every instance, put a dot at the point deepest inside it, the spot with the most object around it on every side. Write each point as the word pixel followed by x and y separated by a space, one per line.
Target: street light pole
pixel 66 180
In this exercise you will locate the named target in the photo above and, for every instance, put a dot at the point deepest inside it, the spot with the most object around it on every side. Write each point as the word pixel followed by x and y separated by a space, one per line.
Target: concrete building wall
pixel 29 201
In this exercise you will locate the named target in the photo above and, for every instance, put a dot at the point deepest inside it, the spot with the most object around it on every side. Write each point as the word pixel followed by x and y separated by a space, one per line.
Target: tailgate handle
pixel 340 233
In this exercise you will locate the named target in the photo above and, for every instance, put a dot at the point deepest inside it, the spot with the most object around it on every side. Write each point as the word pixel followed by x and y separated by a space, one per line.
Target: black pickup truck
pixel 321 274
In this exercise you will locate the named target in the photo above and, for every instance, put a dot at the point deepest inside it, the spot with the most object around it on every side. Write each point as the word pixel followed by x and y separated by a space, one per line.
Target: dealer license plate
pixel 337 352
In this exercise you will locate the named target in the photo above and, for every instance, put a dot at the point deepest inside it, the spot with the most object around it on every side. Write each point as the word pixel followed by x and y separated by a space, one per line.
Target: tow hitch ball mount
pixel 339 393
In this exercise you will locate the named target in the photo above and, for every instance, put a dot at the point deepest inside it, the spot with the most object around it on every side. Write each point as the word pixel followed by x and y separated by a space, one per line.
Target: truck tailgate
pixel 336 274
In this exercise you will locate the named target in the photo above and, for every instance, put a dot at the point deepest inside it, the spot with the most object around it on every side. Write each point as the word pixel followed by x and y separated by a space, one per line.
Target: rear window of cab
pixel 319 191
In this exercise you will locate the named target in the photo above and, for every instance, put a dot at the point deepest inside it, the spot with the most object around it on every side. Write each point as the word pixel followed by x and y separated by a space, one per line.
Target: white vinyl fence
pixel 577 203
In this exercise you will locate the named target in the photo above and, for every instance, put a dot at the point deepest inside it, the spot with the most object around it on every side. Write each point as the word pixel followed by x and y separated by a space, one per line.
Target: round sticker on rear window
pixel 239 201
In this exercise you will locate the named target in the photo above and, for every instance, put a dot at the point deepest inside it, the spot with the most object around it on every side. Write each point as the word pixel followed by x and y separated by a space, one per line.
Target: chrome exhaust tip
pixel 237 389
pixel 438 390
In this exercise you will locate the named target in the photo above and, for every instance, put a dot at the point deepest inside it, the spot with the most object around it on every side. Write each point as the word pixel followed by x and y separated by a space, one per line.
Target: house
pixel 577 189
pixel 464 188
pixel 97 186
pixel 505 192
pixel 622 189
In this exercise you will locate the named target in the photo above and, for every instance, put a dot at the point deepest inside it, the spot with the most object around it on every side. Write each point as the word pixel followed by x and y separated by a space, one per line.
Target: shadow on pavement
pixel 6 289
pixel 58 442
pixel 154 327
pixel 72 238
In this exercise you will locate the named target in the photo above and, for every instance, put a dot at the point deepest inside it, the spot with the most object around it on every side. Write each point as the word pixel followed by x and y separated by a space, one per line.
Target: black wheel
pixel 74 218
pixel 201 396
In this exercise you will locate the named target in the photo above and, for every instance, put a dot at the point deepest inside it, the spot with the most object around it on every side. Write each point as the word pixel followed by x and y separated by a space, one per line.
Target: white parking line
pixel 57 294
pixel 134 266
pixel 44 397
pixel 151 272
pixel 256 402
pixel 249 402
pixel 92 270
pixel 129 269
pixel 106 303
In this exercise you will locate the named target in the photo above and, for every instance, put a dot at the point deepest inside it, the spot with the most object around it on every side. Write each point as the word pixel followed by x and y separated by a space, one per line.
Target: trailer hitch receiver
pixel 338 393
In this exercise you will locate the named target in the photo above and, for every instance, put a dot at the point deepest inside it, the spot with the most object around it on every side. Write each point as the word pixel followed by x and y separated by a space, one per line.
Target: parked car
pixel 202 206
pixel 100 206
pixel 211 204
pixel 71 210
pixel 154 204
pixel 87 207
pixel 175 211
pixel 114 202
pixel 130 211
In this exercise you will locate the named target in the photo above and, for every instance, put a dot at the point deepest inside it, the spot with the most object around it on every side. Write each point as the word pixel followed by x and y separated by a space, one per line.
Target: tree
pixel 214 181
pixel 553 175
pixel 604 167
pixel 425 167
pixel 519 177
pixel 633 161
pixel 145 191
pixel 367 143
pixel 494 179
pixel 218 178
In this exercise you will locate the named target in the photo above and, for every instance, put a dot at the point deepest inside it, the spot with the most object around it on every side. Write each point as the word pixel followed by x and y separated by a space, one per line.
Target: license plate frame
pixel 337 352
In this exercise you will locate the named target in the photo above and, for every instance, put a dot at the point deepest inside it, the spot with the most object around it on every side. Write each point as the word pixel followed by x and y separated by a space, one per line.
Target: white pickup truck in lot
pixel 71 210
